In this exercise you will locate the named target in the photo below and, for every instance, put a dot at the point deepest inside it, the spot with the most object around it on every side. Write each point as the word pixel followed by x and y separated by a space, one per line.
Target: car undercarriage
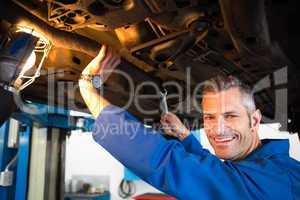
pixel 164 42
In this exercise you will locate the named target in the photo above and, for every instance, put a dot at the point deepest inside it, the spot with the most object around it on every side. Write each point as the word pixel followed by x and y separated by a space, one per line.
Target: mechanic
pixel 244 166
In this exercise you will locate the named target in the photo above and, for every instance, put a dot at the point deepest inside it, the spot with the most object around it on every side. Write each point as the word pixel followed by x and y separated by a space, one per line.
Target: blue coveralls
pixel 187 171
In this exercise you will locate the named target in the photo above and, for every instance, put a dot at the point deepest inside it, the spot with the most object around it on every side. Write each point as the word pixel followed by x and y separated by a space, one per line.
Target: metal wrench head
pixel 164 105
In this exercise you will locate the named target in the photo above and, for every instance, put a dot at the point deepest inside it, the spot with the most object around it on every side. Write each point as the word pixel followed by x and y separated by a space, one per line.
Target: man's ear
pixel 255 119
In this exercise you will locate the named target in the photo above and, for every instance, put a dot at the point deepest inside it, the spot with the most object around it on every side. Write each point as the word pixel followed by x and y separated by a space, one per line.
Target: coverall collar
pixel 270 147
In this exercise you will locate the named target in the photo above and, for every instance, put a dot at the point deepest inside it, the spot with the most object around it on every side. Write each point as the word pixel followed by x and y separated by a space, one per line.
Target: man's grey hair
pixel 222 83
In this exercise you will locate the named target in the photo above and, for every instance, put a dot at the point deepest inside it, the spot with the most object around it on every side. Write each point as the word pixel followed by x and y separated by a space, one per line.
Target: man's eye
pixel 230 116
pixel 208 117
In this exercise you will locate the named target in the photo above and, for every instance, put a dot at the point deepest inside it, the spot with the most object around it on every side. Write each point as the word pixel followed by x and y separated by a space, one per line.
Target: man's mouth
pixel 224 139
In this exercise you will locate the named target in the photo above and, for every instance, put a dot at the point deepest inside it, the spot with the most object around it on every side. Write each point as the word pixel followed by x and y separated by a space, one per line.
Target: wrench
pixel 164 105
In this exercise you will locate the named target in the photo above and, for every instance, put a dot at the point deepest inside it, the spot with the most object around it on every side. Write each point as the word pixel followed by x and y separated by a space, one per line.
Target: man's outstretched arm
pixel 103 64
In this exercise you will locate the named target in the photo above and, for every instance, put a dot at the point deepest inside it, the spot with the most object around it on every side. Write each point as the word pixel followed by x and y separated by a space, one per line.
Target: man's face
pixel 227 124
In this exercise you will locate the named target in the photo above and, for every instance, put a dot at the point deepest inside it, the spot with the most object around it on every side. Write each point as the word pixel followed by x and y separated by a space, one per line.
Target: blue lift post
pixel 6 154
pixel 19 188
pixel 51 116
pixel 23 162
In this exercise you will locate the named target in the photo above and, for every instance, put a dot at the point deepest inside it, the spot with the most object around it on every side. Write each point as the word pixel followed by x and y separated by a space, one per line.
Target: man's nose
pixel 220 125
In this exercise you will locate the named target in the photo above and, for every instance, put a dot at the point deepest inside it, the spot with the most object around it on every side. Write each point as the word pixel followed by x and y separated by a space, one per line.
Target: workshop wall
pixel 86 157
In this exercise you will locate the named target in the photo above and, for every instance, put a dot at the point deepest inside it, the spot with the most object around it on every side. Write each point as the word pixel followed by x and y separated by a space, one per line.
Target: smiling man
pixel 231 120
pixel 244 167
